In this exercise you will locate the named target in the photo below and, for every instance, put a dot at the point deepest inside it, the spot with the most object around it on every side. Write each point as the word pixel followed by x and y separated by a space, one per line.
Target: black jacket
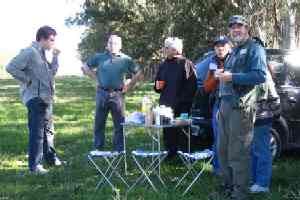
pixel 180 82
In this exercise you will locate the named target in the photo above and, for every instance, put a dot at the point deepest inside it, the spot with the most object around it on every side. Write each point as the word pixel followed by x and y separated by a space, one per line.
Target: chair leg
pixel 108 169
pixel 114 170
pixel 143 175
pixel 100 171
pixel 152 169
pixel 198 175
pixel 190 166
pixel 112 165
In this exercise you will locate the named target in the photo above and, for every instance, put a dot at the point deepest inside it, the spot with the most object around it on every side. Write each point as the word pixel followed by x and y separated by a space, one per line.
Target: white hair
pixel 175 43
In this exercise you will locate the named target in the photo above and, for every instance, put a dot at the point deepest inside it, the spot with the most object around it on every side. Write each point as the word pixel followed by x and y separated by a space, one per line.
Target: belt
pixel 111 89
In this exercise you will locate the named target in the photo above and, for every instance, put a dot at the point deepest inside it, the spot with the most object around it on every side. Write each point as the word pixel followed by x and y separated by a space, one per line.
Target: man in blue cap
pixel 222 48
pixel 243 71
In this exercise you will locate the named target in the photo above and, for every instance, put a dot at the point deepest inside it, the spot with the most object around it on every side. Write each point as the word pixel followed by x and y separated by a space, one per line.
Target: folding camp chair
pixel 153 160
pixel 190 160
pixel 112 160
pixel 148 161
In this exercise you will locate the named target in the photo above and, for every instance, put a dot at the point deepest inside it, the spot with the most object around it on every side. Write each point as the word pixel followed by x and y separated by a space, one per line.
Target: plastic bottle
pixel 146 104
pixel 147 109
pixel 157 115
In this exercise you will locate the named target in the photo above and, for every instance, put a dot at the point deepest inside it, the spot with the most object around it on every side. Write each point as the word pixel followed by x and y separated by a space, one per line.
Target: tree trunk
pixel 291 24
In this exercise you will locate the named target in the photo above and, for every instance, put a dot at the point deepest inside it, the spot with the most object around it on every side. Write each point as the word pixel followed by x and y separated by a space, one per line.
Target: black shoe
pixel 218 196
pixel 223 192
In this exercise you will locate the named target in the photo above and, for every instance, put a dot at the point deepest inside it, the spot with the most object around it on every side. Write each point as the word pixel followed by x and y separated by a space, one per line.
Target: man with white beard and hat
pixel 243 71
pixel 176 83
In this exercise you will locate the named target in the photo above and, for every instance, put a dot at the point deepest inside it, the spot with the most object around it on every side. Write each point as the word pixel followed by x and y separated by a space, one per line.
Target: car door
pixel 290 102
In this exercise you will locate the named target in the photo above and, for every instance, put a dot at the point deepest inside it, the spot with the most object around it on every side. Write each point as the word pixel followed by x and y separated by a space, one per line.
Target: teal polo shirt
pixel 111 69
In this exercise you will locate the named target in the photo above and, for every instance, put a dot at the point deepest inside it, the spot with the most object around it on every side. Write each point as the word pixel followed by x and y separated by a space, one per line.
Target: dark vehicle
pixel 285 129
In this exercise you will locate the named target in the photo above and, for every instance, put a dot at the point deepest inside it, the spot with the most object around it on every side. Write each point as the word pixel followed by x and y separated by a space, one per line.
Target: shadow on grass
pixel 73 114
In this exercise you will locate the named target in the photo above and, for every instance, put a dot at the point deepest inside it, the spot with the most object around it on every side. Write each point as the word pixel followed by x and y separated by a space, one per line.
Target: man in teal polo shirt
pixel 243 71
pixel 109 69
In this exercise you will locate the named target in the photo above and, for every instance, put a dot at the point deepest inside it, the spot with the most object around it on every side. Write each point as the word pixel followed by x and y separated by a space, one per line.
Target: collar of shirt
pixel 37 46
pixel 114 55
pixel 40 49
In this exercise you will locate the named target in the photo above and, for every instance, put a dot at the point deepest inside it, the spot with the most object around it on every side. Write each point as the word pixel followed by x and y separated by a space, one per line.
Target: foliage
pixel 144 24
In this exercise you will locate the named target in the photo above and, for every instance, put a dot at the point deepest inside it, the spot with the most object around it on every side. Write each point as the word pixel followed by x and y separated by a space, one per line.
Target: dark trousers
pixel 235 127
pixel 174 139
pixel 41 132
pixel 106 101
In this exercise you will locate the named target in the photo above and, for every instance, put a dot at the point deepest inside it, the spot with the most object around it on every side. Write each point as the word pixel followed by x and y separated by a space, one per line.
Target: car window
pixel 285 65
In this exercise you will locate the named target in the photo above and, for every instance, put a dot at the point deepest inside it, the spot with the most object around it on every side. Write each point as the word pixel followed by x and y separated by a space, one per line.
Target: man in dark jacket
pixel 176 83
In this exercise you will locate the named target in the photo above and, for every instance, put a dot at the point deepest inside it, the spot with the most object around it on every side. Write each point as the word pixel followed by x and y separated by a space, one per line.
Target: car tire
pixel 275 144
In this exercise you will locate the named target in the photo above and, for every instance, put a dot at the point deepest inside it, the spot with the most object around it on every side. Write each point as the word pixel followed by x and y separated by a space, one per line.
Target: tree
pixel 144 24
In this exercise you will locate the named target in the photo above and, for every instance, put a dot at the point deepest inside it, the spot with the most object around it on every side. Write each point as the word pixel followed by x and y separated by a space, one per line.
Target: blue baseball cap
pixel 237 19
pixel 221 40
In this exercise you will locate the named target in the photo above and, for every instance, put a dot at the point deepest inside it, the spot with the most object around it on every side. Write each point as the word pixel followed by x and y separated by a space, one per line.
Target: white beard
pixel 238 39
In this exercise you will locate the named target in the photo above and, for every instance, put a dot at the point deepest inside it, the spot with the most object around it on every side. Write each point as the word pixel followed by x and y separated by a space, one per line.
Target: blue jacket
pixel 248 65
pixel 202 69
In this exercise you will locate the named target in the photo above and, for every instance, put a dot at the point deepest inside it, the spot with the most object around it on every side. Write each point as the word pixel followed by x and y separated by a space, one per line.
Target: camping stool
pixel 112 160
pixel 153 161
pixel 190 160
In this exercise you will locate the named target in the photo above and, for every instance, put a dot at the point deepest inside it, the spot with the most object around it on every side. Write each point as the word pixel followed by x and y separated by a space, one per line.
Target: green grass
pixel 73 112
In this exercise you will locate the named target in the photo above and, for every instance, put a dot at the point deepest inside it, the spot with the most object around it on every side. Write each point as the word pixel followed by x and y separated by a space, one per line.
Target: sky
pixel 20 19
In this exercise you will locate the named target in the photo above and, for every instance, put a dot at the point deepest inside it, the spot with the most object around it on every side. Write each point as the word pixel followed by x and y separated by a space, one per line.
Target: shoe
pixel 223 192
pixel 58 162
pixel 258 189
pixel 39 170
pixel 219 196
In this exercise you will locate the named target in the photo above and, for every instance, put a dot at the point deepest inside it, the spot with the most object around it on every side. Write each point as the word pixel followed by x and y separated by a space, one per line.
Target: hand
pixel 87 71
pixel 56 52
pixel 29 83
pixel 83 69
pixel 225 76
pixel 218 72
pixel 97 84
pixel 159 85
pixel 125 88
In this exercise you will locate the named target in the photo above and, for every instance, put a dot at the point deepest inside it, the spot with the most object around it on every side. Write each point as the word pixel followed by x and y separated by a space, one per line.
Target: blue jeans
pixel 109 101
pixel 261 155
pixel 41 134
pixel 215 161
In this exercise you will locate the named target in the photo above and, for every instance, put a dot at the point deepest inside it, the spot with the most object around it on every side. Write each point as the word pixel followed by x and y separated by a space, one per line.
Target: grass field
pixel 73 112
